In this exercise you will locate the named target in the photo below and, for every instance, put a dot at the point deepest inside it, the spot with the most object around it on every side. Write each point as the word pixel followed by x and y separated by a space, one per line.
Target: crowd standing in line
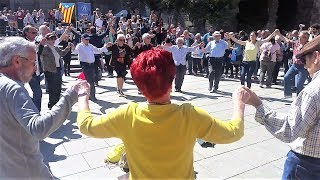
pixel 134 43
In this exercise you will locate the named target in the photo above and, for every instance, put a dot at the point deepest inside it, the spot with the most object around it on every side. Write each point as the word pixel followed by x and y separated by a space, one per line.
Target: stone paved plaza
pixel 258 155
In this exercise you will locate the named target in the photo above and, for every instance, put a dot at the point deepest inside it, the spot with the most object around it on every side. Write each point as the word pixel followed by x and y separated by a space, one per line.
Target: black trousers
pixel 215 72
pixel 88 70
pixel 107 59
pixel 197 65
pixel 190 63
pixel 180 72
pixel 54 82
pixel 206 65
pixel 66 65
pixel 97 67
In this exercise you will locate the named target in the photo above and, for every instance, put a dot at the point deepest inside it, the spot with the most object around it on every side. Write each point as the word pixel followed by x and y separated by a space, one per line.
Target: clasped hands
pixel 244 95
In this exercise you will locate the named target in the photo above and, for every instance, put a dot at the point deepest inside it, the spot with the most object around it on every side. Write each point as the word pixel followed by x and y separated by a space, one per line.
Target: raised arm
pixel 243 43
pixel 282 37
pixel 269 37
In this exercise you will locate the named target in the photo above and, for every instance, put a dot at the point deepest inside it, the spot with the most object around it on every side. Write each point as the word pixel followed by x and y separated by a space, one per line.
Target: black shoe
pixel 93 99
pixel 207 144
pixel 121 94
pixel 214 90
pixel 110 76
pixel 178 90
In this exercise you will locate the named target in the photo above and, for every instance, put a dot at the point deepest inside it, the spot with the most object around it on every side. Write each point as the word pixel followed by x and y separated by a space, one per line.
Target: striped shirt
pixel 300 127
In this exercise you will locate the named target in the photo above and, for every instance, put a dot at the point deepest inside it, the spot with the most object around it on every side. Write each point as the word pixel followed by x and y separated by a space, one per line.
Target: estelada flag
pixel 67 11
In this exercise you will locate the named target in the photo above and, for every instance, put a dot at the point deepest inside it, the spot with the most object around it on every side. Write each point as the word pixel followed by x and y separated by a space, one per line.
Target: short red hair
pixel 153 72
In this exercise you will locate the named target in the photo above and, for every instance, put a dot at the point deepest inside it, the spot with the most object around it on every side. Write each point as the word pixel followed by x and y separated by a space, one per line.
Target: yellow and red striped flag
pixel 67 11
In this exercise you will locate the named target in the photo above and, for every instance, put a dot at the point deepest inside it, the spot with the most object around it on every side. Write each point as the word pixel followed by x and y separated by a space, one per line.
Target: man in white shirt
pixel 86 52
pixel 179 53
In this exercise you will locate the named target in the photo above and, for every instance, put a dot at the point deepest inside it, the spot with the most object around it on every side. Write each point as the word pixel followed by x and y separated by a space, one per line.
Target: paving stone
pixel 267 171
pixel 84 145
pixel 95 158
pixel 96 173
pixel 71 165
pixel 224 166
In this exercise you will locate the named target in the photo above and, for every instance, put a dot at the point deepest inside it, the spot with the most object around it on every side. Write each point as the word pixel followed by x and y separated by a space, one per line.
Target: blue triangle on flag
pixel 67 5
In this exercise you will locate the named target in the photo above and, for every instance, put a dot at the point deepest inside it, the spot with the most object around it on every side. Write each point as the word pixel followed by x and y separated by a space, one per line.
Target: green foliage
pixel 214 11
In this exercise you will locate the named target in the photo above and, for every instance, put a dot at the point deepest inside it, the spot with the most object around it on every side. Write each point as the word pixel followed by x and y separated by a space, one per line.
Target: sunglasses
pixel 120 39
pixel 33 32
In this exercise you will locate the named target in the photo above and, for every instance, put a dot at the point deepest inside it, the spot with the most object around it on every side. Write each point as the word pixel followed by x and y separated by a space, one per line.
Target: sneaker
pixel 261 86
pixel 114 155
pixel 121 94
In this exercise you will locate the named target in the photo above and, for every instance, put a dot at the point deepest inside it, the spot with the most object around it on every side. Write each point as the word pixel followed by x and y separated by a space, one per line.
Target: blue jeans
pixel 247 69
pixel 298 166
pixel 302 74
pixel 36 89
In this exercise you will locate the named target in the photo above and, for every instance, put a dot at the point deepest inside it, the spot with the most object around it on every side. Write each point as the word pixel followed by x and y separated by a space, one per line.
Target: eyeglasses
pixel 33 32
pixel 33 62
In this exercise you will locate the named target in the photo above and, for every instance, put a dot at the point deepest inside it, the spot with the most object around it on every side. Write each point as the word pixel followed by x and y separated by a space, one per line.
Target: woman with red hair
pixel 159 136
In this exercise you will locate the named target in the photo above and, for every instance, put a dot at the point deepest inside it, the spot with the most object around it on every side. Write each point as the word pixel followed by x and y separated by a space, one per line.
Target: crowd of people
pixel 157 56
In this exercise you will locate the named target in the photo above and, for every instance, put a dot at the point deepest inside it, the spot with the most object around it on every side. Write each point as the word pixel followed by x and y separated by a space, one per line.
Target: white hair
pixel 43 28
pixel 145 35
pixel 179 39
pixel 121 36
pixel 11 46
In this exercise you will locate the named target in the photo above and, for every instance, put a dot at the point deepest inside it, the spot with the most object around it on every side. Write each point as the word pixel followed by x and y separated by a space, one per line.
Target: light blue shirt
pixel 179 54
pixel 217 49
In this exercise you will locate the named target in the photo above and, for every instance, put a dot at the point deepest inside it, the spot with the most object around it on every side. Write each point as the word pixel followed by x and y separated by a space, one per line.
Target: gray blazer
pixel 47 58
pixel 22 127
